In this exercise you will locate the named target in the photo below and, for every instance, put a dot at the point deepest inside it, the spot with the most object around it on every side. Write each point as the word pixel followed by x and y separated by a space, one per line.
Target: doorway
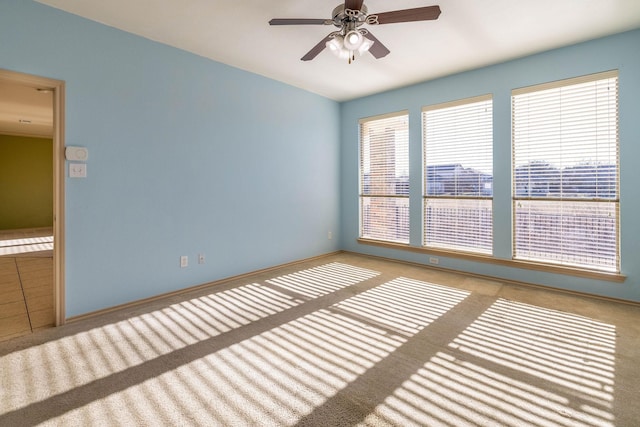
pixel 32 232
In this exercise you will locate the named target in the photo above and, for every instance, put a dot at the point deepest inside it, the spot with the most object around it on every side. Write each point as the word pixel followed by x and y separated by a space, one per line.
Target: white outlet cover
pixel 77 170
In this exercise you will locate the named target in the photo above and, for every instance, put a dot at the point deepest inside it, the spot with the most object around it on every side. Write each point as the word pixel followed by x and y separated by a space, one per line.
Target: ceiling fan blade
pixel 427 13
pixel 303 21
pixel 316 49
pixel 353 4
pixel 377 49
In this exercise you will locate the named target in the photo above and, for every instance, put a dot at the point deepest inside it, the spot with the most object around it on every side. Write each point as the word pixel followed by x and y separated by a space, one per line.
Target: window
pixel 565 172
pixel 384 178
pixel 458 175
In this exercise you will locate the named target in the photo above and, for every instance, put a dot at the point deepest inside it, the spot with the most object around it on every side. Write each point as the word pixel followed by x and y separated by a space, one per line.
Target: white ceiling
pixel 25 110
pixel 468 34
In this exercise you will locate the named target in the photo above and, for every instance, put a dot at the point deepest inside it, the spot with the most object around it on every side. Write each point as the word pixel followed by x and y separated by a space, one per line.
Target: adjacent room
pixel 26 217
pixel 303 213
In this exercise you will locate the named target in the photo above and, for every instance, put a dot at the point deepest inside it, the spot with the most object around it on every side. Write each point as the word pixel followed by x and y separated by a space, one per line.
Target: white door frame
pixel 58 181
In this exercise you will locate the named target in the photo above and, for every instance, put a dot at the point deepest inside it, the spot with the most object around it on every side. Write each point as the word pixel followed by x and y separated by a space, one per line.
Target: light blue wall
pixel 186 156
pixel 191 156
pixel 620 52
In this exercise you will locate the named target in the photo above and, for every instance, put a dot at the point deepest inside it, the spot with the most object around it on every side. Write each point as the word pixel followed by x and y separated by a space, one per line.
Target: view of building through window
pixel 458 175
pixel 384 178
pixel 565 172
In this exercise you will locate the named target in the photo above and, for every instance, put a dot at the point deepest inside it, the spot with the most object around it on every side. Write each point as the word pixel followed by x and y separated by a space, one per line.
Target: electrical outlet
pixel 77 170
pixel 184 261
pixel 434 260
pixel 330 235
pixel 200 258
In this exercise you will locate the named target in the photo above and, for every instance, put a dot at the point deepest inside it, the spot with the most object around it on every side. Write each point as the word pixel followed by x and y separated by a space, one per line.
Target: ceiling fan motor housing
pixel 348 18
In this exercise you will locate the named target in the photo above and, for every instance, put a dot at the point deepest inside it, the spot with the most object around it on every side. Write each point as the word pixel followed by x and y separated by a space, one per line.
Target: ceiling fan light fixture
pixel 336 44
pixel 365 46
pixel 348 17
pixel 353 39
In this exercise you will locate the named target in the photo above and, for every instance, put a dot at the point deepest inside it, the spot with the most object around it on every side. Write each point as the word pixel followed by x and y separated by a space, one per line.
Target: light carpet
pixel 336 341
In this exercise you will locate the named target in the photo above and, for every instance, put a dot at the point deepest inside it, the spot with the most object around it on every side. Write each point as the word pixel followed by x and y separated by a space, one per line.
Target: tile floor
pixel 26 281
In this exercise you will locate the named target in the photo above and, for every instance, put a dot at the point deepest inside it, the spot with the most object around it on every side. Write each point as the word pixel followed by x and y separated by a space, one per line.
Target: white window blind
pixel 565 172
pixel 384 178
pixel 458 175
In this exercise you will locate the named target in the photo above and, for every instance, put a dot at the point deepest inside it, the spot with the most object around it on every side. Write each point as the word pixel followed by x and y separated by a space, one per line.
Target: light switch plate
pixel 77 170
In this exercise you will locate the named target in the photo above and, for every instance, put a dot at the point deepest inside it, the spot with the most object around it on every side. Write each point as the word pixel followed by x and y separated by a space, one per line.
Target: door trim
pixel 58 87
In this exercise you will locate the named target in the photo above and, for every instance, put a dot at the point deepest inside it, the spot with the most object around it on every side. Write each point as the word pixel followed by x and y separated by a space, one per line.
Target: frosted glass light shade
pixel 353 40
pixel 335 44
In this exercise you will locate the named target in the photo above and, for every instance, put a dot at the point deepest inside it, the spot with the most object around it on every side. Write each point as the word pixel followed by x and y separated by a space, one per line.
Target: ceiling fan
pixel 350 38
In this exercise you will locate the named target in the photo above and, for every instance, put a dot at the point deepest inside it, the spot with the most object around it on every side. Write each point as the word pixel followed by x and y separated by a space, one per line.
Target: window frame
pixel 485 247
pixel 508 261
pixel 564 200
pixel 362 196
